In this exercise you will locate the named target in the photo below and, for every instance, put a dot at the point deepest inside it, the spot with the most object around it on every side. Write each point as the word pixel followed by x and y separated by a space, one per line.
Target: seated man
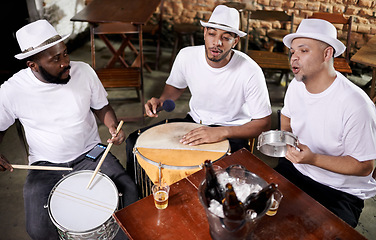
pixel 335 122
pixel 56 101
pixel 228 88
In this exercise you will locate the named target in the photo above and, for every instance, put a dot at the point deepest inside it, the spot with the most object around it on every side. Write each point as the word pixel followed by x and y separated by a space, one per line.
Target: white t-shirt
pixel 341 121
pixel 229 96
pixel 57 119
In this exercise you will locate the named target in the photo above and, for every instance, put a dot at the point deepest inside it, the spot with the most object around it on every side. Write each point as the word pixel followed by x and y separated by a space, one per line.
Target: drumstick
pixel 104 154
pixel 40 167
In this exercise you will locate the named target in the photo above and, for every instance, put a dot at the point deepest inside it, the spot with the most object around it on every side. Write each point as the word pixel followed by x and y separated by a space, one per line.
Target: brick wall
pixel 363 12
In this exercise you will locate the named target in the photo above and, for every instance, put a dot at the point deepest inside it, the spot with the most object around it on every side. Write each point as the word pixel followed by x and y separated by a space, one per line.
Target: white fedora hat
pixel 36 37
pixel 225 18
pixel 317 29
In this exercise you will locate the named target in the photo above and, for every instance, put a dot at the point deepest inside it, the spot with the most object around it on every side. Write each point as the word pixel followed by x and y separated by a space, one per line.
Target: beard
pixel 302 78
pixel 55 79
pixel 213 59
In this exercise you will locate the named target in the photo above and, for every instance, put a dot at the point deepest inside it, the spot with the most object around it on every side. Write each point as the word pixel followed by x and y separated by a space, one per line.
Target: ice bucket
pixel 225 229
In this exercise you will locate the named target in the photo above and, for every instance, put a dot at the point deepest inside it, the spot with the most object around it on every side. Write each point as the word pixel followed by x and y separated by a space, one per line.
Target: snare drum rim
pixel 62 228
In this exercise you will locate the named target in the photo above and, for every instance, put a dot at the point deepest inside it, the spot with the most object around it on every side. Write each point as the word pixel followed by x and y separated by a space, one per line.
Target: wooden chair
pixel 341 64
pixel 182 30
pixel 268 59
pixel 251 143
pixel 273 16
pixel 128 75
pixel 154 29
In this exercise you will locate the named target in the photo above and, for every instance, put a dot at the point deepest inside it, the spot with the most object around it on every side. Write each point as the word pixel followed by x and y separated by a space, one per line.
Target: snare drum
pixel 274 143
pixel 81 213
pixel 161 144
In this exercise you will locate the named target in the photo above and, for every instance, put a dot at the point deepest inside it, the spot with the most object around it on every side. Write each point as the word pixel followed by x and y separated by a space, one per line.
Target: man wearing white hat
pixel 56 101
pixel 335 122
pixel 228 89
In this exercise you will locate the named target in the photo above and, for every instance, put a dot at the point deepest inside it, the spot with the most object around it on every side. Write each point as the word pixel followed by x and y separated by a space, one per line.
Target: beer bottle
pixel 232 208
pixel 259 200
pixel 212 188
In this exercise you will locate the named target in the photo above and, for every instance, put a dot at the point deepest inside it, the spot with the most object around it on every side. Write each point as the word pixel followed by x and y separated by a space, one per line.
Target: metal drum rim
pixel 62 228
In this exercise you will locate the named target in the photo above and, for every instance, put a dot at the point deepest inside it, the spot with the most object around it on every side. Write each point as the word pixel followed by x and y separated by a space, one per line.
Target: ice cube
pixel 216 208
pixel 251 214
pixel 241 188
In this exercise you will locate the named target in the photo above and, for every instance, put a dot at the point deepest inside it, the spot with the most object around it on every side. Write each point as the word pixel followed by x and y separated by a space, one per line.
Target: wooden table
pixel 298 217
pixel 106 11
pixel 136 12
pixel 124 18
pixel 367 55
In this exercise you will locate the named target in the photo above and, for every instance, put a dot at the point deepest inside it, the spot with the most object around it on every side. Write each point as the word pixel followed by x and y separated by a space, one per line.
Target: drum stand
pixel 143 182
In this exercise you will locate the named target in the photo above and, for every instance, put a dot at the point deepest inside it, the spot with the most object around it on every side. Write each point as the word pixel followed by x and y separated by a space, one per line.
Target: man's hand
pixel 4 164
pixel 152 105
pixel 116 139
pixel 203 135
pixel 301 155
pixel 339 164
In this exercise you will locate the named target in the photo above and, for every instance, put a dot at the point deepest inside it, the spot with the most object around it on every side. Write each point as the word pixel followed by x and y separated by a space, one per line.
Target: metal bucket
pixel 225 229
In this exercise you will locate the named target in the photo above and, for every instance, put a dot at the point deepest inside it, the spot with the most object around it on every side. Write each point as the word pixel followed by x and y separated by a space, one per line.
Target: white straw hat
pixel 317 29
pixel 36 37
pixel 225 18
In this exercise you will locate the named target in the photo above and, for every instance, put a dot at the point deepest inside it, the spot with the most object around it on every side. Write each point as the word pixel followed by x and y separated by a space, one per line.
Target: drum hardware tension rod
pixel 105 154
pixel 201 166
pixel 160 172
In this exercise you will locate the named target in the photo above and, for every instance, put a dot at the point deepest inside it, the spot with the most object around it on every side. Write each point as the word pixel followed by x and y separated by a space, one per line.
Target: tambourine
pixel 274 143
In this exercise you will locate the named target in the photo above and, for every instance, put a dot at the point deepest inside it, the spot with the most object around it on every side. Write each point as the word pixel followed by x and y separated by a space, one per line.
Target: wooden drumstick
pixel 16 166
pixel 105 154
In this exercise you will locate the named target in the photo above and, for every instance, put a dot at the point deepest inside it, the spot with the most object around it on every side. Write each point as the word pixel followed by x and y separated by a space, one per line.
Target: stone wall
pixel 363 12
pixel 59 13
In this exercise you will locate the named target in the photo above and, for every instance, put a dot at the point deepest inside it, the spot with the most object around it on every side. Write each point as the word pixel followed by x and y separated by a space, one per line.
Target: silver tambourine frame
pixel 274 143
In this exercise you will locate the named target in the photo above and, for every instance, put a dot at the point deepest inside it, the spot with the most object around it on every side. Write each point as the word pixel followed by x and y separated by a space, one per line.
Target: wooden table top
pixel 366 54
pixel 298 217
pixel 126 11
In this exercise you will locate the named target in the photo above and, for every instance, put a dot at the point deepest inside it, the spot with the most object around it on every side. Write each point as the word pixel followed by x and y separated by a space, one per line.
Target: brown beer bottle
pixel 259 200
pixel 232 208
pixel 212 188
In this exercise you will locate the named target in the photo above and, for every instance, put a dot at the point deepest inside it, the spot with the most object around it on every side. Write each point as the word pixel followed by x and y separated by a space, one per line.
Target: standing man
pixel 228 88
pixel 56 101
pixel 335 122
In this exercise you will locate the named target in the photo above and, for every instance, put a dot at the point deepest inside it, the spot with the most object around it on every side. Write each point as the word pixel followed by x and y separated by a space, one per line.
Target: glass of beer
pixel 160 194
pixel 276 200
